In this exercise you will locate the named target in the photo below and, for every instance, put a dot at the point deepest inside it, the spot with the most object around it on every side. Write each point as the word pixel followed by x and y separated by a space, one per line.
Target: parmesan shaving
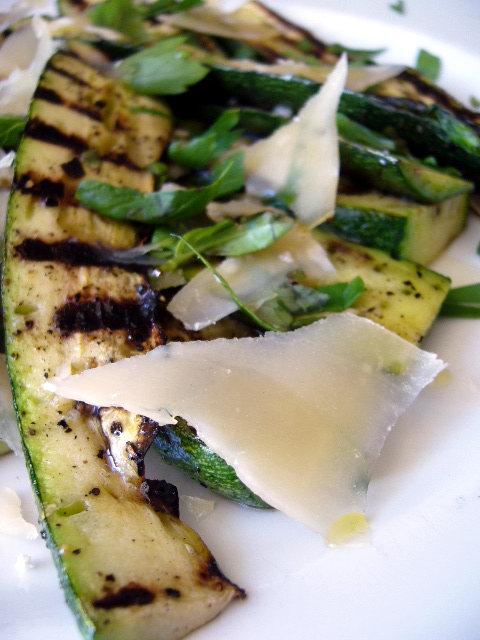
pixel 22 58
pixel 254 278
pixel 301 159
pixel 11 520
pixel 8 425
pixel 301 416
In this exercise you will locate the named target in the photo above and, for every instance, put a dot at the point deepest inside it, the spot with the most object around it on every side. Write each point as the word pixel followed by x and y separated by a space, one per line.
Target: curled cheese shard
pixel 301 159
pixel 254 278
pixel 301 416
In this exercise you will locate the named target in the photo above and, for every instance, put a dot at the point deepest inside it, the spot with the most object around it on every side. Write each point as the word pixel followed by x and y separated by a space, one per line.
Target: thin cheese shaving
pixel 11 521
pixel 301 416
pixel 254 278
pixel 301 159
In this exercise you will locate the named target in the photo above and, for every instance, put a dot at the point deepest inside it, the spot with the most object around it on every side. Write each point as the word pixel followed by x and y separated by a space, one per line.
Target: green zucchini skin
pixel 403 228
pixel 95 518
pixel 400 176
pixel 428 130
pixel 378 168
pixel 180 446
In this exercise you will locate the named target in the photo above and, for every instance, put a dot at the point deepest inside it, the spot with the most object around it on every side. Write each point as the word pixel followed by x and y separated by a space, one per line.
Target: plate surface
pixel 419 576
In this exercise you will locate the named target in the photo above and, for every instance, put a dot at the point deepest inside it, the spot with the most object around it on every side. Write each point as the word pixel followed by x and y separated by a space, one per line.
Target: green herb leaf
pixel 354 132
pixel 169 6
pixel 228 239
pixel 164 69
pixel 120 15
pixel 202 150
pixel 11 130
pixel 462 302
pixel 428 65
pixel 122 203
pixel 221 280
pixel 355 55
pixel 399 7
pixel 474 102
pixel 296 305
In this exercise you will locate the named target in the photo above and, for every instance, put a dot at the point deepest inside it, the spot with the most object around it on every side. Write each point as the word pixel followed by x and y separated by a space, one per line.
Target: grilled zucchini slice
pixel 399 294
pixel 130 568
pixel 403 228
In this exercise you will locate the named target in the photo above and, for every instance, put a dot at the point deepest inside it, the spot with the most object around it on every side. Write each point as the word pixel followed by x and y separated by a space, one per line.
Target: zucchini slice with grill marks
pixel 401 295
pixel 405 229
pixel 130 568
pixel 428 130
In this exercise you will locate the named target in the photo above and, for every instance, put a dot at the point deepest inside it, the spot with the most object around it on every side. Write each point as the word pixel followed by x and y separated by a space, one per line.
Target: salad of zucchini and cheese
pixel 217 243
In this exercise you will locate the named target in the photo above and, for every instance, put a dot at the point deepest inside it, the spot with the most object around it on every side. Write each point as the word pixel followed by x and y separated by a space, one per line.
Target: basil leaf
pixel 122 203
pixel 295 305
pixel 252 316
pixel 355 55
pixel 169 6
pixel 474 102
pixel 120 15
pixel 164 69
pixel 202 150
pixel 399 7
pixel 462 302
pixel 228 239
pixel 428 65
pixel 11 130
pixel 354 132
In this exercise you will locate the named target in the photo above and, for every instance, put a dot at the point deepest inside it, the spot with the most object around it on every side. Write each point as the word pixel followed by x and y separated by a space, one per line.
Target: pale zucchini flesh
pixel 130 568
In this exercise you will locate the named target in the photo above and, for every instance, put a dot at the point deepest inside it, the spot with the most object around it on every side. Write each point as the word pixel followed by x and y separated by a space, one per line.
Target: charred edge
pixel 121 160
pixel 162 496
pixel 129 596
pixel 51 96
pixel 442 98
pixel 49 191
pixel 73 169
pixel 212 575
pixel 67 74
pixel 319 47
pixel 135 454
pixel 70 252
pixel 137 317
pixel 46 133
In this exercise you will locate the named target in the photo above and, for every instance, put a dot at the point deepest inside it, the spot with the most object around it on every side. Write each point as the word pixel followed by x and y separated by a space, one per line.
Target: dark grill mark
pixel 138 317
pixel 71 252
pixel 46 133
pixel 73 169
pixel 49 191
pixel 172 593
pixel 162 495
pixel 67 74
pixel 128 596
pixel 121 160
pixel 49 95
pixel 212 575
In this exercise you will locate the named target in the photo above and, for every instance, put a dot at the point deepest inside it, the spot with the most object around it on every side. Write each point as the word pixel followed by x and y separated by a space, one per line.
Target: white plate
pixel 419 578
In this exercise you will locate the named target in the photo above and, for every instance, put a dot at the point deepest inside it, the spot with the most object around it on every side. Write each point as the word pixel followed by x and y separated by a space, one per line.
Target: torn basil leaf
pixel 199 152
pixel 296 305
pixel 230 239
pixel 123 16
pixel 164 69
pixel 122 203
pixel 360 56
pixel 462 302
pixel 169 6
pixel 11 130
pixel 399 7
pixel 428 65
